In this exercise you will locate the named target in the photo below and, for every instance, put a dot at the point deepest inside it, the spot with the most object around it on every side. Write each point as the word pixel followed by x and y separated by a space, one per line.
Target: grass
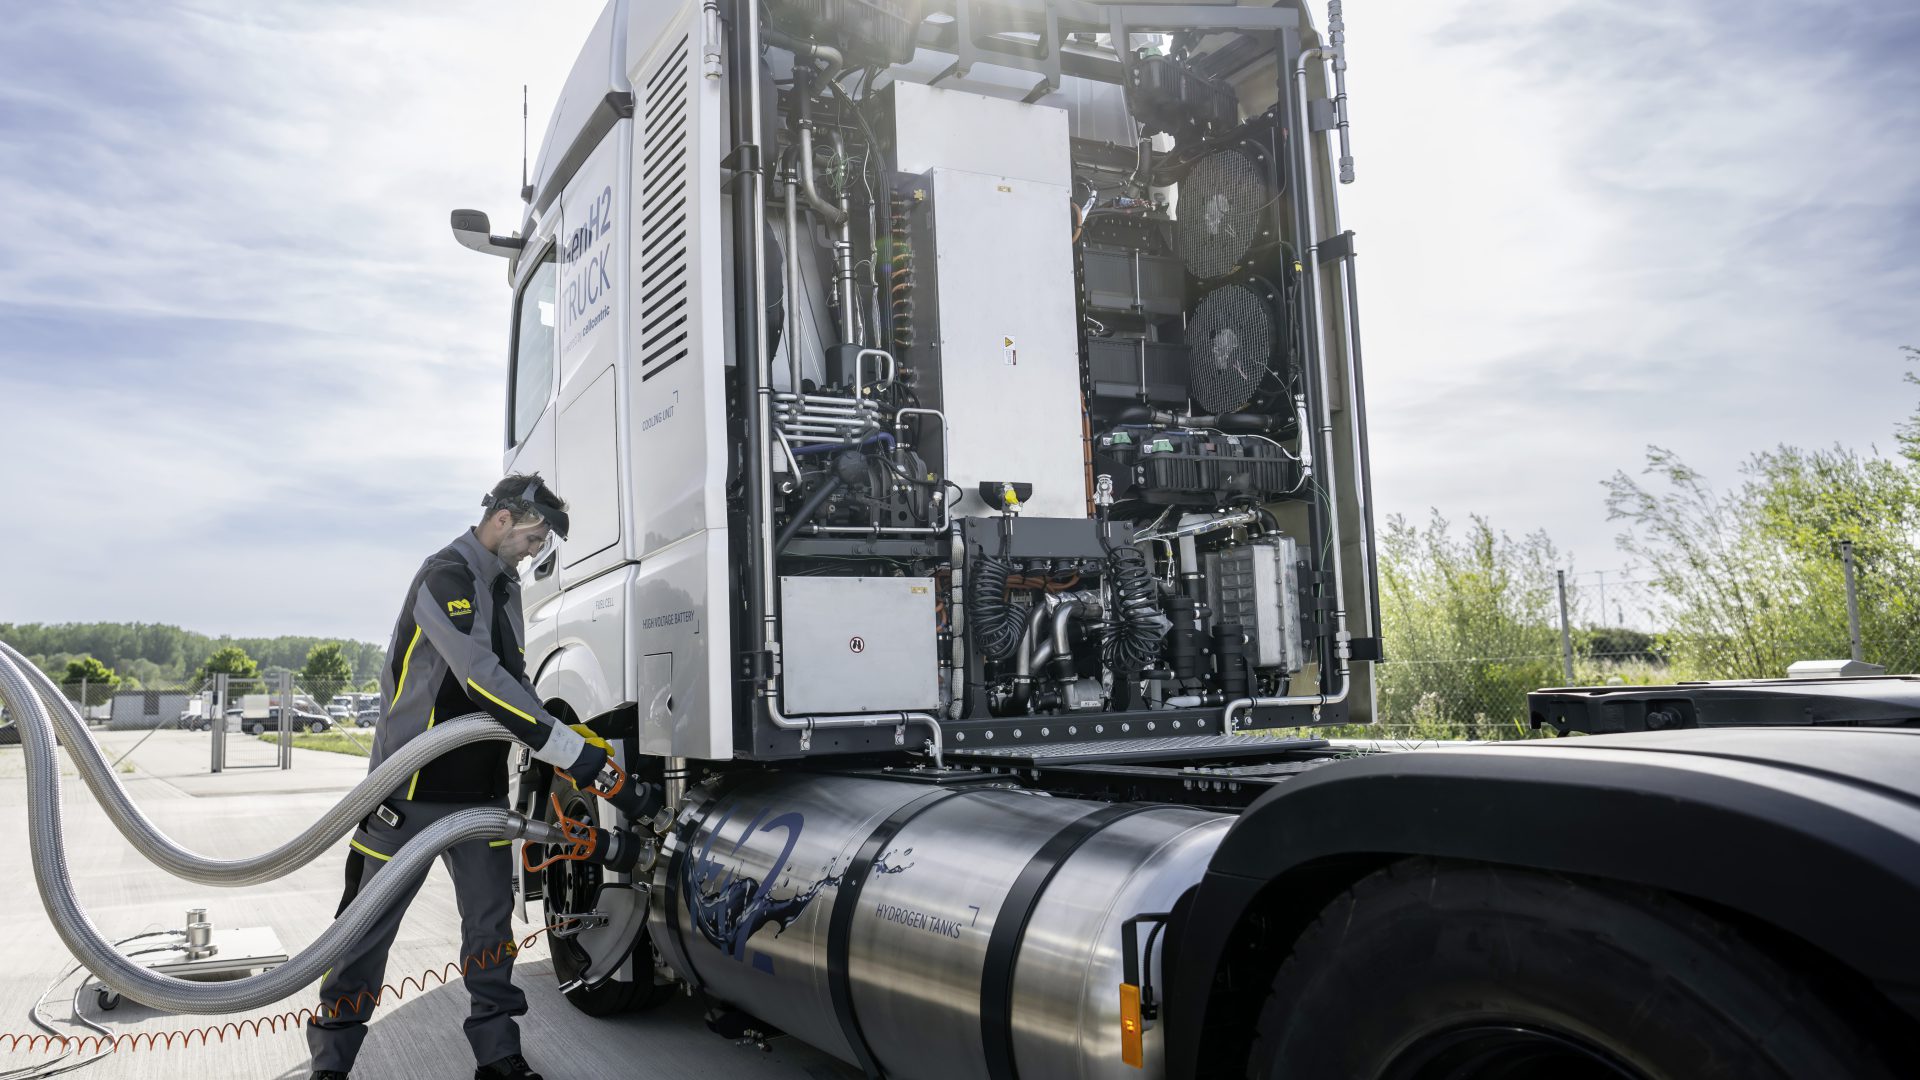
pixel 331 741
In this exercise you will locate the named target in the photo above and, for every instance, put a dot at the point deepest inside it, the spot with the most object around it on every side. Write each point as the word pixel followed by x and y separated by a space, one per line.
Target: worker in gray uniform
pixel 456 650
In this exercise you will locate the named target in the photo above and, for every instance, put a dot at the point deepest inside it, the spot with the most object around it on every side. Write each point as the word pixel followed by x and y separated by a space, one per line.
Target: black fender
pixel 1815 832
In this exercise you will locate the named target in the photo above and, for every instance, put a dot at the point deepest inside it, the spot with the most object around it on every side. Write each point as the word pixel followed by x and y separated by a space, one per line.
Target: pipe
pixel 821 448
pixel 1258 422
pixel 789 326
pixel 809 507
pixel 832 214
pixel 1023 664
pixel 759 444
pixel 380 783
pixel 1192 525
pixel 1337 48
pixel 1062 622
pixel 1310 244
pixel 47 848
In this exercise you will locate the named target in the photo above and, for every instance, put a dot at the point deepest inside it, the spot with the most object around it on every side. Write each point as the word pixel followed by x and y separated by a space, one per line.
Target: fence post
pixel 218 727
pixel 1853 602
pixel 83 699
pixel 286 720
pixel 1566 634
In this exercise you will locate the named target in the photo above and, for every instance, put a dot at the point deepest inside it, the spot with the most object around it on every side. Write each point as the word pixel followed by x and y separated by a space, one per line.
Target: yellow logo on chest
pixel 459 607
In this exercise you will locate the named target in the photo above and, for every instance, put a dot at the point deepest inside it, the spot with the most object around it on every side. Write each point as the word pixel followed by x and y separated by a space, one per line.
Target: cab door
pixel 532 386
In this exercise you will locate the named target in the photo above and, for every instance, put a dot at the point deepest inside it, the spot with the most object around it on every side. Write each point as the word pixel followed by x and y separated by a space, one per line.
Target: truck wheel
pixel 1437 970
pixel 569 889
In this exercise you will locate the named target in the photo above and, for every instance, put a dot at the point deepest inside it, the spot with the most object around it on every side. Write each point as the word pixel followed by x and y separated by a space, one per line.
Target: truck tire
pixel 568 884
pixel 1434 969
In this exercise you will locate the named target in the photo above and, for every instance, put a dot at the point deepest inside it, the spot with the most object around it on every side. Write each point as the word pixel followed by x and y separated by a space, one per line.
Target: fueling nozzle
pixel 571 840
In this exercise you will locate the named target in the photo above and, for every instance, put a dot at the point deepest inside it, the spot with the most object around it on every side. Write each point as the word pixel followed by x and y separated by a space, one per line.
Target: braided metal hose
pixel 162 851
pixel 48 853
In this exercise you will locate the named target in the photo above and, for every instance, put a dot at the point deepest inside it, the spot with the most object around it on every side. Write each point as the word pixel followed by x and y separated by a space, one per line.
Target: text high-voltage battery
pixel 1196 468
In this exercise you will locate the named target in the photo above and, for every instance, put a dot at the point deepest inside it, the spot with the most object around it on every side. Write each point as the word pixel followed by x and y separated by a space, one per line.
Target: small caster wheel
pixel 106 999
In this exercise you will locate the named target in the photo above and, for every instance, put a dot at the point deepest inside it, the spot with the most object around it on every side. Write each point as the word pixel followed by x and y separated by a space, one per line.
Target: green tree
pixel 228 660
pixel 327 671
pixel 1752 580
pixel 1470 623
pixel 91 678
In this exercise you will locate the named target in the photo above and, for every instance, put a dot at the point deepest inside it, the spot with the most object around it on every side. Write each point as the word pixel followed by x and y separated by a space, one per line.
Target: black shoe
pixel 330 1074
pixel 511 1067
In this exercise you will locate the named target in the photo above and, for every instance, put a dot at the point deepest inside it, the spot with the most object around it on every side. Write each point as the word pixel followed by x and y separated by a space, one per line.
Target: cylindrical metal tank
pixel 945 933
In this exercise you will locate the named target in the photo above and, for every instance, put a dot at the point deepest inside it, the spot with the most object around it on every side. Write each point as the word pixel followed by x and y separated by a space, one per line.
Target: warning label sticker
pixel 1008 353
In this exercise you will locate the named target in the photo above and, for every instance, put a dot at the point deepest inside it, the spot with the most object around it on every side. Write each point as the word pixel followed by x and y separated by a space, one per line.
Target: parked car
pixel 192 721
pixel 369 715
pixel 255 725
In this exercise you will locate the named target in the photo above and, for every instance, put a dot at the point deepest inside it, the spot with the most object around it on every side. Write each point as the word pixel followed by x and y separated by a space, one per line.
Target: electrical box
pixel 1257 586
pixel 858 644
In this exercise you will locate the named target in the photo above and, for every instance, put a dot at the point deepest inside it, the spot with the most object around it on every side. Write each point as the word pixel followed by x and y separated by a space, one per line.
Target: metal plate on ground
pixel 1139 751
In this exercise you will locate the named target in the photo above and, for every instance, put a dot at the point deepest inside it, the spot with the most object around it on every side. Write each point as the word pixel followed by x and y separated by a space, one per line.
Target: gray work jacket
pixel 457 649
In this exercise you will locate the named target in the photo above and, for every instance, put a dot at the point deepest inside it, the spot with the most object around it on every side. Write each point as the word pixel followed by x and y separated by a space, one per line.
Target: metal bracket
pixel 1321 114
pixel 1042 55
pixel 1336 248
pixel 586 920
pixel 1131 967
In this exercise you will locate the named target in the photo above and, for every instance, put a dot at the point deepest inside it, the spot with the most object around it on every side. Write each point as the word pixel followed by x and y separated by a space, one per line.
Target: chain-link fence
pixel 241 716
pixel 1485 698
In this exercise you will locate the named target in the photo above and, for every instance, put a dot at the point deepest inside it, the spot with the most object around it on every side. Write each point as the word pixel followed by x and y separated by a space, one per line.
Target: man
pixel 456 649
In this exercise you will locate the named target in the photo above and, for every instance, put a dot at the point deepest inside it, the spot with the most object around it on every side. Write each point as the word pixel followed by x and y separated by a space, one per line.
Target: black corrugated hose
pixel 997 623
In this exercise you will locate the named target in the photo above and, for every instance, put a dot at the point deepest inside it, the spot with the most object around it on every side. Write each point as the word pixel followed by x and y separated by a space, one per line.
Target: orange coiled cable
pixel 275 1024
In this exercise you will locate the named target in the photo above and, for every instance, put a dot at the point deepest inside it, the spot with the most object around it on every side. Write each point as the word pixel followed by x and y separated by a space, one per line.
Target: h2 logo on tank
pixel 586 273
pixel 727 908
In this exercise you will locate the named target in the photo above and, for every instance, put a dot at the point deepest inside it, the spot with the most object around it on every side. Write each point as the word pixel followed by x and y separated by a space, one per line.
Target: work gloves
pixel 598 773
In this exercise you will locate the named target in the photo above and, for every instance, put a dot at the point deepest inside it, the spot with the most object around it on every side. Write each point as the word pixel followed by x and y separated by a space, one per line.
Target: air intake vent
pixel 665 138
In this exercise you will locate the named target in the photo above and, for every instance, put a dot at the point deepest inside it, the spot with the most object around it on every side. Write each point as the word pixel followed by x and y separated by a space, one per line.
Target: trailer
pixel 962 412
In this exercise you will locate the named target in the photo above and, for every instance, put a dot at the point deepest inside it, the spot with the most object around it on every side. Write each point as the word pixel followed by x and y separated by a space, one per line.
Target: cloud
pixel 1588 226
pixel 248 380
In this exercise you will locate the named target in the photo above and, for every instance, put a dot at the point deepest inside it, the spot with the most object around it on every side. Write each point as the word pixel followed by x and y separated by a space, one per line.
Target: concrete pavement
pixel 247 810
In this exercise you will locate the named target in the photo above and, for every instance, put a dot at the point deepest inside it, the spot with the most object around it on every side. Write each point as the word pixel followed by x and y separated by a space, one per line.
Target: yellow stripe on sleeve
pixel 481 690
pixel 365 850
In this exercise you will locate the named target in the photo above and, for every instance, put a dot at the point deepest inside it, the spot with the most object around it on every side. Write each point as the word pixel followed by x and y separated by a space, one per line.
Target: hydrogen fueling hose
pixel 46 843
pixel 316 838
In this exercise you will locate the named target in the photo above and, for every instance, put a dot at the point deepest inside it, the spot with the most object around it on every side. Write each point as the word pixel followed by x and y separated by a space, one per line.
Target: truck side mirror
pixel 472 229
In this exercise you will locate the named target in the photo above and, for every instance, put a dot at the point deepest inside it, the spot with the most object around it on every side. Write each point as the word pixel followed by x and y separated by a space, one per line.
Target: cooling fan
pixel 1232 340
pixel 1225 201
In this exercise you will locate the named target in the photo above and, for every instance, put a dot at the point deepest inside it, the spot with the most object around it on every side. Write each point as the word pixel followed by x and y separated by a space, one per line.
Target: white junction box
pixel 858 644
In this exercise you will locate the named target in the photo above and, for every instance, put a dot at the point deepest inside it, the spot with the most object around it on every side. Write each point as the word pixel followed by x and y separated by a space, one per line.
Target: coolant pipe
pixel 793 297
pixel 163 852
pixel 821 448
pixel 1192 525
pixel 760 385
pixel 47 852
pixel 809 507
pixel 1311 245
pixel 1245 421
pixel 828 212
pixel 1062 622
pixel 1030 642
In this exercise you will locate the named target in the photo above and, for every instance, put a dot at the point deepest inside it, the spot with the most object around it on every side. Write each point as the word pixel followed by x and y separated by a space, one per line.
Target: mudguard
pixel 1814 831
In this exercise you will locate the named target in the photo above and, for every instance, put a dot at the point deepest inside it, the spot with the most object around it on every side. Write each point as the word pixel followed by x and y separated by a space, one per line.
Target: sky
pixel 248 380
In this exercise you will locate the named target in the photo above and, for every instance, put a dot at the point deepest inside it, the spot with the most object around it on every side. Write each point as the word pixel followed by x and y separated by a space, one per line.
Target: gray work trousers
pixel 482 873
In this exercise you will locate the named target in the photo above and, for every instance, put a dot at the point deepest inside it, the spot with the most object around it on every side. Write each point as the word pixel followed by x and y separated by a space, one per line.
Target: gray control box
pixel 1257 586
pixel 858 644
